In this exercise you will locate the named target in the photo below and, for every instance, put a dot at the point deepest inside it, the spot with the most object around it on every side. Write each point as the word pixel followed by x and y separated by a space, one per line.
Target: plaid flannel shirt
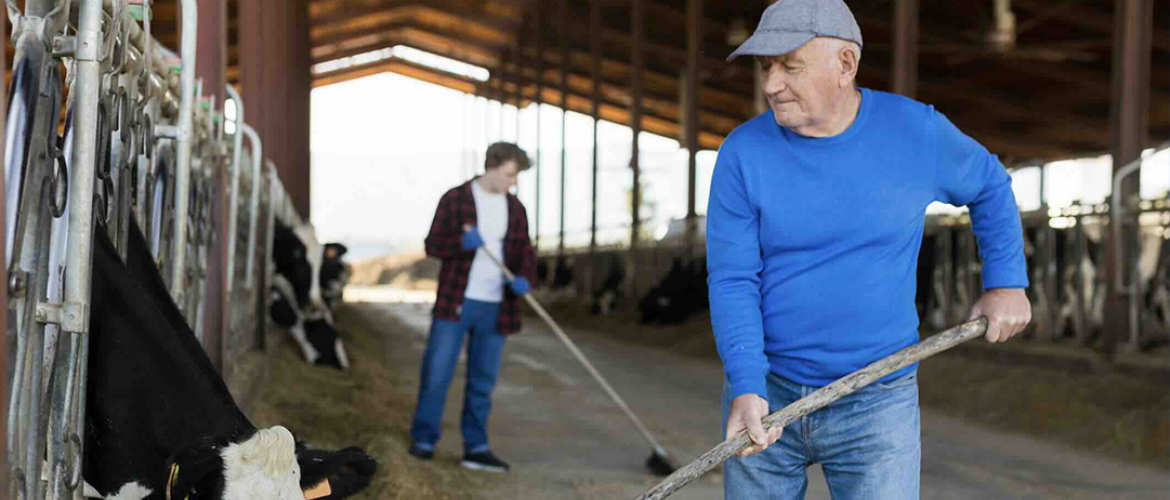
pixel 456 208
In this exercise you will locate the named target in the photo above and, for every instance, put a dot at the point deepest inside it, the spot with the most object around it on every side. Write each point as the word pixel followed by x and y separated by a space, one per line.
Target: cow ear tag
pixel 321 490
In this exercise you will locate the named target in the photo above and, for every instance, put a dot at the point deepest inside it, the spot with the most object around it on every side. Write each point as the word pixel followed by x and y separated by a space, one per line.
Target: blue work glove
pixel 471 239
pixel 520 286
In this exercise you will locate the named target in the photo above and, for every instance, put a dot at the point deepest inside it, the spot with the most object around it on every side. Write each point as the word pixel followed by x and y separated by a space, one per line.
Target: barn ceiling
pixel 1046 97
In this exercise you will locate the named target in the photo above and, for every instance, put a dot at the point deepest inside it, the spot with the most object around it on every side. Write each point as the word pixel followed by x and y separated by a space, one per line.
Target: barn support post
pixel 595 49
pixel 564 41
pixel 691 110
pixel 211 65
pixel 905 67
pixel 539 111
pixel 638 24
pixel 1133 28
pixel 276 79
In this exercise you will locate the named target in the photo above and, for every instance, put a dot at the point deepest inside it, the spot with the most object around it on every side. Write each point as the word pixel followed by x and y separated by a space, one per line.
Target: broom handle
pixel 580 357
pixel 808 404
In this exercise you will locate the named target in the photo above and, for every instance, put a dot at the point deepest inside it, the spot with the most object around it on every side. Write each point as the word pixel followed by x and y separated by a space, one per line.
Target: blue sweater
pixel 812 243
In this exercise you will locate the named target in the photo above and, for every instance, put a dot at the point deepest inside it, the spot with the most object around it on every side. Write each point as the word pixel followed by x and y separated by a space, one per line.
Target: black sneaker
pixel 422 452
pixel 485 461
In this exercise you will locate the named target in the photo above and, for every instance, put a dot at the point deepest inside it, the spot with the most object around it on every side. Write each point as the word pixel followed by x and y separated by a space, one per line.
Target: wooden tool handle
pixel 808 404
pixel 581 357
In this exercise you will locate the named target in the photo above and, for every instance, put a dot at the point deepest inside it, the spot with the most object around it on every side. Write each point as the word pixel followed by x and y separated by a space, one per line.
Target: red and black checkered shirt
pixel 445 241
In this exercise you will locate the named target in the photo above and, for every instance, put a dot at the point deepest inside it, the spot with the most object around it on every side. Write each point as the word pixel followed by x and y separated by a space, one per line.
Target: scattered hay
pixel 369 406
pixel 1123 417
pixel 1108 413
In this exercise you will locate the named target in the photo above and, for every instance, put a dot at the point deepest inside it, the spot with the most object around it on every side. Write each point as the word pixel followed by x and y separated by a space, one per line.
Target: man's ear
pixel 849 61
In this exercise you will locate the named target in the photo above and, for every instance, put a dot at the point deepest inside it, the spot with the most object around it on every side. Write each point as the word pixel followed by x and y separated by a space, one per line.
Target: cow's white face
pixel 263 467
pixel 314 254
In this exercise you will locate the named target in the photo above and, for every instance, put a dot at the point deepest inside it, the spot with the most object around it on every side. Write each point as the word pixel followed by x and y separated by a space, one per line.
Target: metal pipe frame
pixel 261 303
pixel 254 208
pixel 1117 211
pixel 185 133
pixel 31 244
pixel 81 217
pixel 234 196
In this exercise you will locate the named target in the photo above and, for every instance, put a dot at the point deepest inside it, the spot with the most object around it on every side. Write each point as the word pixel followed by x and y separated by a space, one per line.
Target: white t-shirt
pixel 486 281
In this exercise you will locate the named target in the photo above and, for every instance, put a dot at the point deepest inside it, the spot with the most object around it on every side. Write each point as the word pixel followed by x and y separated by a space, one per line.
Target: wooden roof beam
pixel 491 20
pixel 450 46
pixel 401 67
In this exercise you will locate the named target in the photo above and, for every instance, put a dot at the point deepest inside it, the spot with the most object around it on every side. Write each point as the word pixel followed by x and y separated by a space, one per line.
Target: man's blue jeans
pixel 483 367
pixel 868 444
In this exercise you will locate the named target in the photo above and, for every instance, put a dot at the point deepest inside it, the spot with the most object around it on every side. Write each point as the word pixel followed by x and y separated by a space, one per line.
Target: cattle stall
pixel 137 158
pixel 1065 250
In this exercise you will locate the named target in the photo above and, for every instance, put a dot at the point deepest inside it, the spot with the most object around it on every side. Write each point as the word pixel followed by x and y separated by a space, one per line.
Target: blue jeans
pixel 483 367
pixel 868 444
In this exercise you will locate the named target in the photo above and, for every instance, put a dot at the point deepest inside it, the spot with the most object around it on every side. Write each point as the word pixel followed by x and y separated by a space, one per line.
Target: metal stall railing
pixel 140 151
pixel 1065 248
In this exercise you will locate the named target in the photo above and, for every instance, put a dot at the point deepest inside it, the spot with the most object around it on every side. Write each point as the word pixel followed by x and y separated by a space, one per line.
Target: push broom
pixel 659 462
pixel 819 399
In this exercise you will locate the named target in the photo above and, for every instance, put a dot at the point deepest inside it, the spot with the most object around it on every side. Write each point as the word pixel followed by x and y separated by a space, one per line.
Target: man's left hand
pixel 1008 311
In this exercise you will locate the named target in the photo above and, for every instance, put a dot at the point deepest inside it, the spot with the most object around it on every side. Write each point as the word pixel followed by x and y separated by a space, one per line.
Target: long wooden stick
pixel 581 357
pixel 808 404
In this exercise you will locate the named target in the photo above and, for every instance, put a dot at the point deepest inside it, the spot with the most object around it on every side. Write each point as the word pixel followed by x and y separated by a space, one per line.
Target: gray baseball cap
pixel 788 24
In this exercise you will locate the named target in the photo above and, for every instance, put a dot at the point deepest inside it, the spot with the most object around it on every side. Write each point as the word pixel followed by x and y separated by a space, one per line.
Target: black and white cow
pixel 334 274
pixel 348 470
pixel 681 292
pixel 1153 278
pixel 609 294
pixel 160 422
pixel 297 301
pixel 1154 274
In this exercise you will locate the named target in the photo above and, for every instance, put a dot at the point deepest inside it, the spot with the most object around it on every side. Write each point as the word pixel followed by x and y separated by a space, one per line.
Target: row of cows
pixel 1063 263
pixel 160 420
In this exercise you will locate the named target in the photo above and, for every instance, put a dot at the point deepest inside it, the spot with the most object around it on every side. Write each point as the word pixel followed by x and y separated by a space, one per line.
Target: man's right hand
pixel 748 412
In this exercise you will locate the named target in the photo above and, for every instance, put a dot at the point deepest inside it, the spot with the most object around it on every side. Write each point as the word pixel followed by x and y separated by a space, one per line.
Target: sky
pixel 381 164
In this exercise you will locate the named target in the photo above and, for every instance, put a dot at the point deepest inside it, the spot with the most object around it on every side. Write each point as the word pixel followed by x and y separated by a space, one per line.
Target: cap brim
pixel 776 43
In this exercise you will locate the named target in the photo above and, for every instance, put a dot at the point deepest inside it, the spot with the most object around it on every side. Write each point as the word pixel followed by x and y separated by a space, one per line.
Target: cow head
pixel 297 255
pixel 262 466
pixel 334 273
pixel 347 471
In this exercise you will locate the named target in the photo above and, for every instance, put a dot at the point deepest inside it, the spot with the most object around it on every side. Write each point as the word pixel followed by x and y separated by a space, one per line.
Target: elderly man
pixel 814 226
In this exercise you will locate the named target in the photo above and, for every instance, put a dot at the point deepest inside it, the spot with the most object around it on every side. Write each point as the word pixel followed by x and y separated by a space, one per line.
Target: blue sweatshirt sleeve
pixel 734 263
pixel 966 174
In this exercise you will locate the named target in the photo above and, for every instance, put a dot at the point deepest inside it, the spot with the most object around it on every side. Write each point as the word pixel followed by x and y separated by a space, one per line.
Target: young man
pixel 813 231
pixel 474 298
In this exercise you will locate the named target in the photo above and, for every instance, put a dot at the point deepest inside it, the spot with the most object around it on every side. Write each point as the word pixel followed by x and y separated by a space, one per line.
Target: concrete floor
pixel 566 439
